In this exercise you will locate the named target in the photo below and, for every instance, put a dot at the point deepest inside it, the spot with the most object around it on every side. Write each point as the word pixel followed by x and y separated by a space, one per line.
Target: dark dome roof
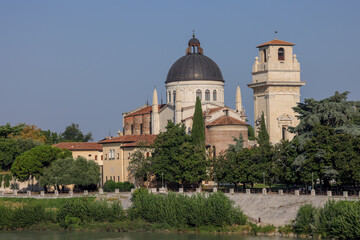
pixel 194 40
pixel 194 66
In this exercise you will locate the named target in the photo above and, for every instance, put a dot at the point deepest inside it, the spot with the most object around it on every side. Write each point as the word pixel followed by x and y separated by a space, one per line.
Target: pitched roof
pixel 226 120
pixel 136 139
pixel 79 146
pixel 145 110
pixel 276 42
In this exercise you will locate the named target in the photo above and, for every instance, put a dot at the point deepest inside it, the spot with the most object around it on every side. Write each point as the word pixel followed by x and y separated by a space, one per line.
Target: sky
pixel 89 61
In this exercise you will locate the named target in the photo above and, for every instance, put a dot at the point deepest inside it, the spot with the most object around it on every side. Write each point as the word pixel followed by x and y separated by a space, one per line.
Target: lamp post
pixel 162 180
pixel 264 178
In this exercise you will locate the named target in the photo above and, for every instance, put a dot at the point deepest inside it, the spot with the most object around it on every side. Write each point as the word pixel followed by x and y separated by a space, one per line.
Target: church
pixel 276 89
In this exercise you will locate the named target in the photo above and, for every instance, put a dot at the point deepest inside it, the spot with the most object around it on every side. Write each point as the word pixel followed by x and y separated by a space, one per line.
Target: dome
pixel 194 40
pixel 194 66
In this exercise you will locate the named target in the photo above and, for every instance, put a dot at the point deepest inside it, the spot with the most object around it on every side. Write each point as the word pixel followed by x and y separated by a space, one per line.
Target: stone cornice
pixel 276 83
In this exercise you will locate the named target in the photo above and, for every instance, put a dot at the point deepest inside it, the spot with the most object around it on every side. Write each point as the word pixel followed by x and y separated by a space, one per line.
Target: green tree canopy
pixel 73 133
pixel 263 138
pixel 140 166
pixel 198 128
pixel 60 172
pixel 33 161
pixel 176 157
pixel 10 149
pixel 8 131
pixel 85 173
pixel 335 112
pixel 66 171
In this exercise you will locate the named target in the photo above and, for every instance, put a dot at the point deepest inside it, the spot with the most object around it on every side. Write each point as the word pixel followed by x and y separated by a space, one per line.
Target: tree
pixel 60 172
pixel 285 154
pixel 31 163
pixel 10 149
pixel 251 133
pixel 31 132
pixel 176 158
pixel 238 146
pixel 198 128
pixel 335 112
pixel 7 131
pixel 85 173
pixel 263 138
pixel 51 137
pixel 140 166
pixel 73 133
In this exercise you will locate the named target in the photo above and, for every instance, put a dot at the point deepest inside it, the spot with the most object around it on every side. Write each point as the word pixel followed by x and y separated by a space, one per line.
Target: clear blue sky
pixel 89 61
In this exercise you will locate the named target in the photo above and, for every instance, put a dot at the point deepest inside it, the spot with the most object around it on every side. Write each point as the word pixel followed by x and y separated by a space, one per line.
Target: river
pixel 126 236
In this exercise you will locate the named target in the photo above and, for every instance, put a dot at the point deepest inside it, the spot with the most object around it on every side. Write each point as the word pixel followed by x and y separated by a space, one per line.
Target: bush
pixel 7 179
pixel 22 217
pixel 182 210
pixel 111 185
pixel 84 210
pixel 305 219
pixel 340 220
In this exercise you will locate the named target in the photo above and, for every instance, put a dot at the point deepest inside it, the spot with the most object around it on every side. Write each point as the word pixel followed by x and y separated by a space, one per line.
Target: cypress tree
pixel 263 138
pixel 198 128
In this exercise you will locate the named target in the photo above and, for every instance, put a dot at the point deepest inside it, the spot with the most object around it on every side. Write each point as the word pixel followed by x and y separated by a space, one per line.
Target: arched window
pixel 198 94
pixel 214 96
pixel 264 52
pixel 281 54
pixel 169 96
pixel 110 154
pixel 174 98
pixel 207 95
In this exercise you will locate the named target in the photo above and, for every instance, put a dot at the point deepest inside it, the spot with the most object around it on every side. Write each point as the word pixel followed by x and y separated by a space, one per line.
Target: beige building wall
pixel 117 168
pixel 89 155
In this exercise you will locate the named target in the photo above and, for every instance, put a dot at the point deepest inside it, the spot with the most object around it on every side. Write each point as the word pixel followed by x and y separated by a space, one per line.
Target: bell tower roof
pixel 276 42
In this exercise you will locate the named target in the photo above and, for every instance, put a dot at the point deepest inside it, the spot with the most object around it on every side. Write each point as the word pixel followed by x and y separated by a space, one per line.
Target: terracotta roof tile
pixel 276 42
pixel 227 120
pixel 145 110
pixel 147 138
pixel 79 146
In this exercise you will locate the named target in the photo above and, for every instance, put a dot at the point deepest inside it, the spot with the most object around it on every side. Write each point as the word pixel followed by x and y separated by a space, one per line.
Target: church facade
pixel 276 85
pixel 192 76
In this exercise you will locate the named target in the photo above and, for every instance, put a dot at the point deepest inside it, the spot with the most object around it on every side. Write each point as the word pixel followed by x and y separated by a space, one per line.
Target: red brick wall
pixel 136 121
pixel 222 136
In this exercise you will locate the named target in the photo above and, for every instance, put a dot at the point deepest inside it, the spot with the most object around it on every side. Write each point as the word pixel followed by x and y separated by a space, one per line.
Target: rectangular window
pixel 132 129
pixel 106 178
pixel 95 157
pixel 284 132
pixel 118 179
pixel 141 128
pixel 101 157
pixel 118 156
pixel 105 156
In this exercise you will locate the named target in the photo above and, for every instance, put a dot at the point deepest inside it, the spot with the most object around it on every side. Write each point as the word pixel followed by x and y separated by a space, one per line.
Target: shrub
pixel 339 220
pixel 111 185
pixel 22 217
pixel 305 219
pixel 84 210
pixel 182 210
pixel 7 179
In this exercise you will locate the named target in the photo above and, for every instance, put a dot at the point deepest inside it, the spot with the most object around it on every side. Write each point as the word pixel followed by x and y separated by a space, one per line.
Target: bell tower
pixel 276 88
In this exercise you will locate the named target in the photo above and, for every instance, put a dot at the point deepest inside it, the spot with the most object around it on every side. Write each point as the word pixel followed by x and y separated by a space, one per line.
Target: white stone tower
pixel 276 85
pixel 155 124
pixel 238 103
